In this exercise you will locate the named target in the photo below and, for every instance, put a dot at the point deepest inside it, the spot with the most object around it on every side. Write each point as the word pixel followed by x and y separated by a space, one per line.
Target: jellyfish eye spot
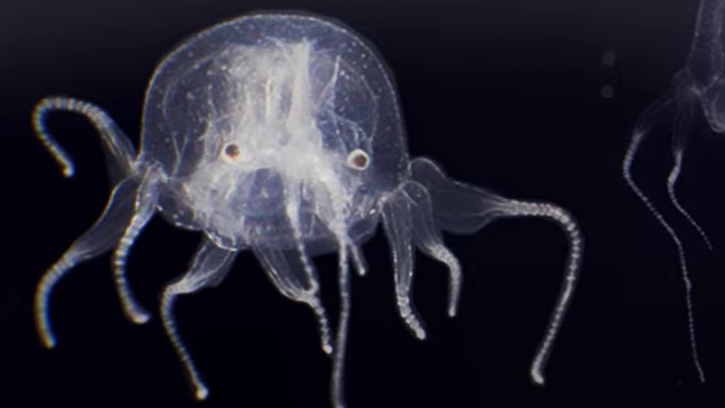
pixel 231 152
pixel 358 160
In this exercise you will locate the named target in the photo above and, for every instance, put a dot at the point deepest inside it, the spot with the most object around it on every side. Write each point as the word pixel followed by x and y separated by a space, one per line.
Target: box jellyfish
pixel 696 88
pixel 281 134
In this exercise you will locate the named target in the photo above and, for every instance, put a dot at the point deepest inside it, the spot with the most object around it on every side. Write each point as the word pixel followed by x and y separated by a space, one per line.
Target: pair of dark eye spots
pixel 356 159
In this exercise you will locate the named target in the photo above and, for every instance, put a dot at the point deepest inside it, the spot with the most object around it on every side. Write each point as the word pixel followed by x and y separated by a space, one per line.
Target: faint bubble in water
pixel 607 92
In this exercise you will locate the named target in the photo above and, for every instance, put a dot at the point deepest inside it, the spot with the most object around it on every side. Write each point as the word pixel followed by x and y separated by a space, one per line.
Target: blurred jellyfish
pixel 697 88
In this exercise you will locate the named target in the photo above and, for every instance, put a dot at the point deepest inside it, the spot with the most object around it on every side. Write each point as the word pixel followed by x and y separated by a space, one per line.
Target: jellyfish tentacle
pixel 398 226
pixel 427 238
pixel 101 237
pixel 682 127
pixel 671 185
pixel 361 266
pixel 117 145
pixel 144 208
pixel 457 207
pixel 566 221
pixel 295 282
pixel 209 267
pixel 462 208
pixel 312 297
pixel 642 129
pixel 297 278
pixel 337 388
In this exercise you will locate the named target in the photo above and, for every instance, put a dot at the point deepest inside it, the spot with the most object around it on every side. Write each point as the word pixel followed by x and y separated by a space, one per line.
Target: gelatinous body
pixel 282 134
pixel 699 87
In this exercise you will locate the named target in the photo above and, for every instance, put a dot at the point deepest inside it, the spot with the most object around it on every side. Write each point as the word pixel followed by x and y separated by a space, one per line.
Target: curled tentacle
pixel 117 146
pixel 462 208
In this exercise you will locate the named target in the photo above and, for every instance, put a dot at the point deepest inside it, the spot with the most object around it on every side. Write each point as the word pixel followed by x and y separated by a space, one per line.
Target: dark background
pixel 505 94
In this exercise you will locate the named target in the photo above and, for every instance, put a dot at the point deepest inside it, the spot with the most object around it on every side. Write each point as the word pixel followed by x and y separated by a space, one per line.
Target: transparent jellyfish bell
pixel 206 95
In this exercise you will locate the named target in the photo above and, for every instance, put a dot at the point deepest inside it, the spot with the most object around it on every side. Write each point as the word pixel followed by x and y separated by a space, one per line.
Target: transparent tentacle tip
pixel 68 170
pixel 48 341
pixel 47 338
pixel 132 310
pixel 537 377
pixel 410 318
pixel 201 392
pixel 140 317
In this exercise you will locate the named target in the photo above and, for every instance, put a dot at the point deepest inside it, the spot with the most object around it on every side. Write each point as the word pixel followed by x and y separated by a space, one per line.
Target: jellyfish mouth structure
pixel 281 134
